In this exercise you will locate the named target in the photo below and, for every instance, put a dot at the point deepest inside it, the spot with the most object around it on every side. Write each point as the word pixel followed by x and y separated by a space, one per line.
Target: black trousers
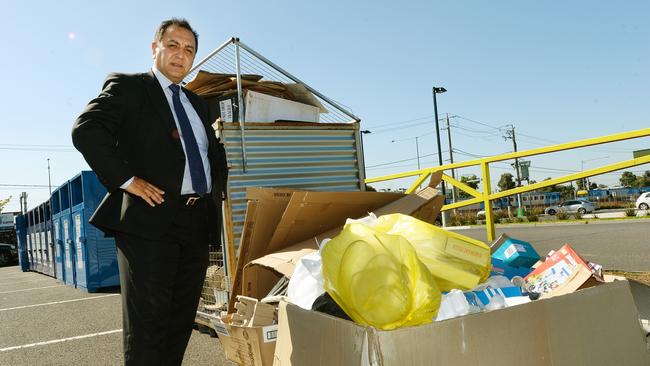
pixel 161 282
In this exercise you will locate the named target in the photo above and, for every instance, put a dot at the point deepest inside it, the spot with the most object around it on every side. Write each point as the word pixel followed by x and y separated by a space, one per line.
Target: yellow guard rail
pixel 486 197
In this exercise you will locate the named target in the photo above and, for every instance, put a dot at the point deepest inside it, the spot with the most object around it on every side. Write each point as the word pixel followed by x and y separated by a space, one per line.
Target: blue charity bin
pixel 21 235
pixel 57 226
pixel 49 245
pixel 67 244
pixel 96 256
pixel 40 239
pixel 31 244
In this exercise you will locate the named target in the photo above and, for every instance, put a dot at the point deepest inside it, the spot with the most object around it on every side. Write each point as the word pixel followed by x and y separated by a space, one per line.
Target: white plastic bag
pixel 306 283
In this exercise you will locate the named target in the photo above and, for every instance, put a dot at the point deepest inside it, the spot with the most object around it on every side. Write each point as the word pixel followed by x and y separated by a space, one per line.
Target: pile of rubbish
pixel 387 278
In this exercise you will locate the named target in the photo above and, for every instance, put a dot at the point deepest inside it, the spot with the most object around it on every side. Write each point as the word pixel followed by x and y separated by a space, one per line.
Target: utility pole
pixel 49 179
pixel 510 134
pixel 23 202
pixel 451 160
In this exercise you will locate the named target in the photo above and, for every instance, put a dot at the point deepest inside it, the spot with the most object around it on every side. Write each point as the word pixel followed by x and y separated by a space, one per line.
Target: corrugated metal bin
pixel 96 256
pixel 21 235
pixel 57 224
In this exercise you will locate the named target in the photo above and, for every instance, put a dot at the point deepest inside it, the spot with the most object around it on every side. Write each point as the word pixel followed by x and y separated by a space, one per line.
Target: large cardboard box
pixel 594 326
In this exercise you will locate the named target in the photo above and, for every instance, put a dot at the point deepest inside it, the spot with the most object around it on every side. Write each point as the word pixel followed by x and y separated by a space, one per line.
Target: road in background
pixel 616 245
pixel 45 323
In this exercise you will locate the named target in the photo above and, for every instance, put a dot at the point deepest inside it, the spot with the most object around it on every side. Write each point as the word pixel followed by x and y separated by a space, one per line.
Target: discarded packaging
pixel 563 271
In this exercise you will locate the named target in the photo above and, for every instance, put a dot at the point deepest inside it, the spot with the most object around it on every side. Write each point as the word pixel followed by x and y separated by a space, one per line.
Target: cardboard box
pixel 514 252
pixel 563 271
pixel 260 107
pixel 252 346
pixel 595 326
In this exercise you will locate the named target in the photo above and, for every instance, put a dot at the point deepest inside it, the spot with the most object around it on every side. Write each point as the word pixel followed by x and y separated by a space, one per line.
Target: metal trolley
pixel 317 156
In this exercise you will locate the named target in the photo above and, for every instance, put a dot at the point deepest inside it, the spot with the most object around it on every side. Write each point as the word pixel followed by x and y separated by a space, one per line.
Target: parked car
pixel 8 254
pixel 580 206
pixel 643 202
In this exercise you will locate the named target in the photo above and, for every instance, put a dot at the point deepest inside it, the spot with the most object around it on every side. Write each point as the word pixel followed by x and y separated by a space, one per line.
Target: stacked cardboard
pixel 265 100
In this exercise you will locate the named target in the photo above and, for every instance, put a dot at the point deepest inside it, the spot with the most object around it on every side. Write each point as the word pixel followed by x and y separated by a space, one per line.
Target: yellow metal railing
pixel 486 196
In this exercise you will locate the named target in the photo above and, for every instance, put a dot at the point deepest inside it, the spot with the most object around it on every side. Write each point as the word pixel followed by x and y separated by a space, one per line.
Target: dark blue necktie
pixel 197 173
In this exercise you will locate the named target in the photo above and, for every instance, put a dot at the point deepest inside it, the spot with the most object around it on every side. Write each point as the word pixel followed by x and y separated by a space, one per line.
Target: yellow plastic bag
pixel 455 261
pixel 378 279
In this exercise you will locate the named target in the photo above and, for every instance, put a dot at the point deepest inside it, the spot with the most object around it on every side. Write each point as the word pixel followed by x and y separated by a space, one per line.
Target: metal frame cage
pixel 235 58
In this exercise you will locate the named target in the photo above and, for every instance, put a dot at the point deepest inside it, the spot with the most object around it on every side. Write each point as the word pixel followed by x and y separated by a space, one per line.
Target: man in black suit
pixel 151 144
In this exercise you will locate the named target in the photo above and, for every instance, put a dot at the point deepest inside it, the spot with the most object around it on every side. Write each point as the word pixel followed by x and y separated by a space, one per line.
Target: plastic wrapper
pixel 378 279
pixel 456 261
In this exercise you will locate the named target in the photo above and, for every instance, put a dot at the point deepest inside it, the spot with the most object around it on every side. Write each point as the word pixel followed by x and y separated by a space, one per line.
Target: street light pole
pixel 417 150
pixel 438 90
pixel 363 153
pixel 582 168
pixel 435 90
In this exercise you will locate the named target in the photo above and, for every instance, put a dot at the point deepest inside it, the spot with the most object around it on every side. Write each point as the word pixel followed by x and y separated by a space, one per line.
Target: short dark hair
pixel 179 22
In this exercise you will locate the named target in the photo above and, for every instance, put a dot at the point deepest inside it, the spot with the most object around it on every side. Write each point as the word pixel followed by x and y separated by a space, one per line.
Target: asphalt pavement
pixel 616 245
pixel 43 322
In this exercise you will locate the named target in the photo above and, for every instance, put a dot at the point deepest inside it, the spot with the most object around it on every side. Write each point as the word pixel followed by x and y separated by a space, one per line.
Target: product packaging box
pixel 514 252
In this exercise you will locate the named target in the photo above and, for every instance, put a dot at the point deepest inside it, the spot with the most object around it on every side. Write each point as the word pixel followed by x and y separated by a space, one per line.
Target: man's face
pixel 174 54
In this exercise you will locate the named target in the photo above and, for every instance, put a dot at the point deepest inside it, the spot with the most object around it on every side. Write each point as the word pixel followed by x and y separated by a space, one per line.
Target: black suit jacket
pixel 129 130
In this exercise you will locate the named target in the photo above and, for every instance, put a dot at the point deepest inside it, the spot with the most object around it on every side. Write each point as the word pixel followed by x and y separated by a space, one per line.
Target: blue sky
pixel 557 71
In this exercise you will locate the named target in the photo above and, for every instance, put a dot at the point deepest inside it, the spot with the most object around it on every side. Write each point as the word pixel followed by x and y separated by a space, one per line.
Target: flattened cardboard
pixel 595 326
pixel 311 213
pixel 263 212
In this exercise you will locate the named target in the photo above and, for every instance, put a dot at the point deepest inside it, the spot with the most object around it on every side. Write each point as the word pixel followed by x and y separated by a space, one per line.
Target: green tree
pixel 566 192
pixel 593 185
pixel 3 203
pixel 551 188
pixel 472 181
pixel 506 182
pixel 581 183
pixel 642 180
pixel 628 179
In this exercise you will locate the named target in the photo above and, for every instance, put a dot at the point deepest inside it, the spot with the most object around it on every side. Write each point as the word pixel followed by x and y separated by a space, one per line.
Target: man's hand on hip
pixel 147 191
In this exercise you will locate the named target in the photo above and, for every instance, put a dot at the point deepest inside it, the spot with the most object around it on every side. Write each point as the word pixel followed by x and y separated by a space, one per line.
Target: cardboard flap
pixel 310 213
pixel 282 262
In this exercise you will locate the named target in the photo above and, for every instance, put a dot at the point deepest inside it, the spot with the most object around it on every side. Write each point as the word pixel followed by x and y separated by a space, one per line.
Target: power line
pixel 400 161
pixel 24 185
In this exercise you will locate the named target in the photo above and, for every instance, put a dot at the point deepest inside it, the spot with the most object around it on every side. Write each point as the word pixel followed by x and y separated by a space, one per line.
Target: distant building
pixel 7 221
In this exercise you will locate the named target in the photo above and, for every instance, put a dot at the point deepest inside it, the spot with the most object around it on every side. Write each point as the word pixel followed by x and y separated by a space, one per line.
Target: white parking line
pixel 29 289
pixel 60 340
pixel 57 302
pixel 40 279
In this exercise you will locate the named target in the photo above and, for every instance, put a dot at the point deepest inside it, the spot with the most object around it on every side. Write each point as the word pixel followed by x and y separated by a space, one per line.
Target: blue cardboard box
pixel 501 269
pixel 514 252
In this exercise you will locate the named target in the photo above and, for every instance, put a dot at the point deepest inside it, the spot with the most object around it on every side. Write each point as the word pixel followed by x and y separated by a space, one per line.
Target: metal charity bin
pixel 96 256
pixel 48 247
pixel 31 245
pixel 59 262
pixel 65 232
pixel 21 235
pixel 39 236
